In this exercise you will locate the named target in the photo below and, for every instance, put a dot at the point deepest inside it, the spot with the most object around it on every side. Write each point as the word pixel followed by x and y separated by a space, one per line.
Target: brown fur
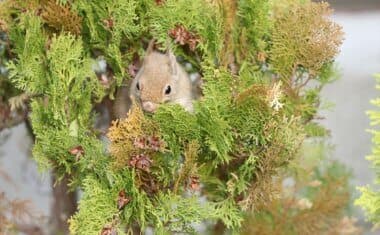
pixel 157 72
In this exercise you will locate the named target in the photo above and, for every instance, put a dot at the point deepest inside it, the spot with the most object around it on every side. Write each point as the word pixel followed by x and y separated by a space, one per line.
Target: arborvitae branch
pixel 244 131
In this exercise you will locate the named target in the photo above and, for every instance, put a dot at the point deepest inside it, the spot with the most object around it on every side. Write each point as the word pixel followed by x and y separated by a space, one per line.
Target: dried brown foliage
pixel 61 18
pixel 126 134
pixel 346 226
pixel 58 17
pixel 257 91
pixel 283 137
pixel 188 172
pixel 183 36
pixel 8 7
pixel 229 9
pixel 323 214
pixel 325 210
pixel 77 151
pixel 261 193
pixel 271 159
pixel 160 2
pixel 3 25
pixel 17 215
pixel 310 47
pixel 135 142
pixel 108 230
pixel 122 200
pixel 141 162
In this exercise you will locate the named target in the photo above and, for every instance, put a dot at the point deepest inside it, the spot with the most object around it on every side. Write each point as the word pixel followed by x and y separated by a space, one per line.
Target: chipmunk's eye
pixel 168 90
pixel 138 86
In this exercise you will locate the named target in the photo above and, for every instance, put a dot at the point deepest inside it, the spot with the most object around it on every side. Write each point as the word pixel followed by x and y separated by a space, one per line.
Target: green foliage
pixel 57 77
pixel 294 45
pixel 198 16
pixel 7 89
pixel 106 25
pixel 174 213
pixel 181 213
pixel 370 198
pixel 177 126
pixel 98 32
pixel 174 169
pixel 97 201
pixel 254 29
pixel 29 44
pixel 213 116
pixel 369 201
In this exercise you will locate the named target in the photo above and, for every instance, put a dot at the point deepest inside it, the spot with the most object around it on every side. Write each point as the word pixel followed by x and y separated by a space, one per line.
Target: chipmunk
pixel 161 79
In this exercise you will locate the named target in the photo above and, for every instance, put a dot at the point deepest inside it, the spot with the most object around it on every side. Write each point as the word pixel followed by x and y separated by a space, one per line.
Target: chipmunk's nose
pixel 149 106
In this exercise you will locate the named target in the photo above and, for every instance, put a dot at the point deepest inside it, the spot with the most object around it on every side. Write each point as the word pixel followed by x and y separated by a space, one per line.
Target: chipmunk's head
pixel 158 80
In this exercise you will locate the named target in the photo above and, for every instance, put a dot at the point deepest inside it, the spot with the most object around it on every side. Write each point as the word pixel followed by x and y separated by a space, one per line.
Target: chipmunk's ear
pixel 149 50
pixel 172 62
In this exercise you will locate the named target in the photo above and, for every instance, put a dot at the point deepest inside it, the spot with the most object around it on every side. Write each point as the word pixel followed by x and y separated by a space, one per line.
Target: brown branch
pixel 299 87
pixel 64 205
pixel 14 121
pixel 219 228
pixel 29 229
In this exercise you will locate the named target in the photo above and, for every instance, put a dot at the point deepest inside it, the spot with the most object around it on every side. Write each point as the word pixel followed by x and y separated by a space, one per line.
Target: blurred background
pixel 358 62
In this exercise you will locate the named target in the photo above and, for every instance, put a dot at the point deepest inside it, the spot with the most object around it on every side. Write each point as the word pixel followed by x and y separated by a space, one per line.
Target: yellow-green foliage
pixel 97 200
pixel 189 168
pixel 370 198
pixel 245 130
pixel 98 208
pixel 29 43
pixel 205 22
pixel 124 133
pixel 294 45
pixel 255 25
pixel 7 8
